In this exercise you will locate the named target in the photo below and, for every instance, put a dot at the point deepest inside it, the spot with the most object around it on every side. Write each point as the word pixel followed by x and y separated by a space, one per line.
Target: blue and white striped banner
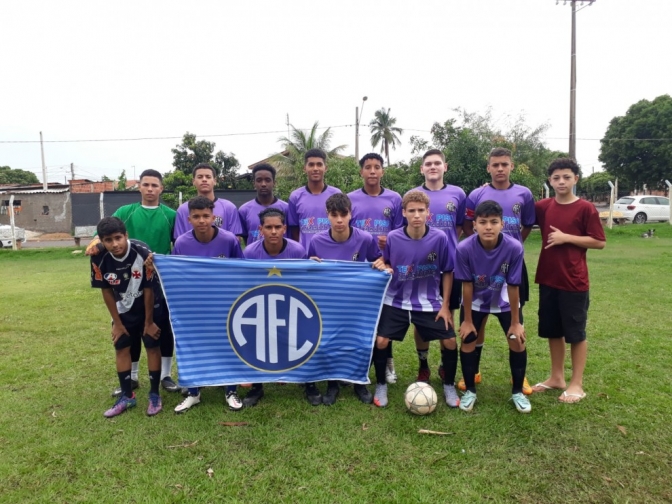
pixel 244 321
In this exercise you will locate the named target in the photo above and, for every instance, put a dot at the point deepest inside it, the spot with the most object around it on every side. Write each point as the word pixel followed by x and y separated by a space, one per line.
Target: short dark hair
pixel 109 226
pixel 271 212
pixel 200 203
pixel 488 208
pixel 499 152
pixel 204 166
pixel 263 167
pixel 371 155
pixel 339 203
pixel 434 152
pixel 151 173
pixel 561 164
pixel 315 153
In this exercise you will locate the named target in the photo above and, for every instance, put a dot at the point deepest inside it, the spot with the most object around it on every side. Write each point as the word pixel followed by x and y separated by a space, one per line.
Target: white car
pixel 639 209
pixel 6 235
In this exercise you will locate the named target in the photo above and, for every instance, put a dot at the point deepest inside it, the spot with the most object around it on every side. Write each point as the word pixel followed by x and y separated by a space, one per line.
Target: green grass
pixel 56 370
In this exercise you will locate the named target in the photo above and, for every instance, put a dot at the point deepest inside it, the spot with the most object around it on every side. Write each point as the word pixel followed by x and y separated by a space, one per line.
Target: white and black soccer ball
pixel 420 398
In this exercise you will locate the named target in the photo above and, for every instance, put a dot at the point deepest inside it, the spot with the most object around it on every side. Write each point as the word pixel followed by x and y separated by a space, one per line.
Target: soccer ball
pixel 420 398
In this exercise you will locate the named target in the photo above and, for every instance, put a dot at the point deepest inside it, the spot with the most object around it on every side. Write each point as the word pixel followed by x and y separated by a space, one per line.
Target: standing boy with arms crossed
pixel 569 226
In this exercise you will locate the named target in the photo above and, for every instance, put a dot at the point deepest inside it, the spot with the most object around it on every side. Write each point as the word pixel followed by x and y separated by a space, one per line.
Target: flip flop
pixel 579 396
pixel 542 387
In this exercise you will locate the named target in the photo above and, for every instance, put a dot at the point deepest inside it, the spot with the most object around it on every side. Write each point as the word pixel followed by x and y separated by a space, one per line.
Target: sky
pixel 231 72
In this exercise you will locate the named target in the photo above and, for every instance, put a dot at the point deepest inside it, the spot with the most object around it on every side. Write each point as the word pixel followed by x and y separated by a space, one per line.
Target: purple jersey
pixel 446 210
pixel 418 266
pixel 309 212
pixel 377 215
pixel 290 250
pixel 226 217
pixel 223 244
pixel 249 217
pixel 490 271
pixel 360 246
pixel 517 204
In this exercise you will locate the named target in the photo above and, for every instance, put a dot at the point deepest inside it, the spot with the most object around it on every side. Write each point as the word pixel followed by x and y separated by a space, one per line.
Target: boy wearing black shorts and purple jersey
pixel 420 260
pixel 569 227
pixel 343 243
pixel 127 285
pixel 489 264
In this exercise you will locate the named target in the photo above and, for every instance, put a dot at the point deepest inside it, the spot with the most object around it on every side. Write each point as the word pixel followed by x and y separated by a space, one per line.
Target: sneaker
pixel 117 391
pixel 313 395
pixel 390 373
pixel 477 379
pixel 468 400
pixel 123 403
pixel 155 405
pixel 450 394
pixel 234 402
pixel 363 394
pixel 331 394
pixel 253 397
pixel 521 402
pixel 423 375
pixel 191 400
pixel 169 385
pixel 380 399
pixel 527 390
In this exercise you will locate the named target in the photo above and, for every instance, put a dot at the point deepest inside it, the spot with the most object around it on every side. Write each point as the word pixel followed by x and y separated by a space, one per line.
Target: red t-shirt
pixel 564 266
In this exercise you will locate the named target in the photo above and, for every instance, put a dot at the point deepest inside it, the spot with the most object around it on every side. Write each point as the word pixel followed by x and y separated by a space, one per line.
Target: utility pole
pixel 358 116
pixel 72 171
pixel 44 166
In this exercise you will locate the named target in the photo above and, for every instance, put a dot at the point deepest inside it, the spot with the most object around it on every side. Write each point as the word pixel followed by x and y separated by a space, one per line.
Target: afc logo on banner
pixel 274 327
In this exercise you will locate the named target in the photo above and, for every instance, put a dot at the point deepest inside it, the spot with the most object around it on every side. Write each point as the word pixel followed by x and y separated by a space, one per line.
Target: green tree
pixel 595 187
pixel 384 132
pixel 121 183
pixel 175 182
pixel 192 151
pixel 227 165
pixel 105 178
pixel 16 176
pixel 637 147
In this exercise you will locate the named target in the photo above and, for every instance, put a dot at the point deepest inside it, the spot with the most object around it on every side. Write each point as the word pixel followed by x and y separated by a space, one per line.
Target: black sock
pixel 332 384
pixel 468 361
pixel 380 364
pixel 477 351
pixel 154 380
pixel 518 363
pixel 125 383
pixel 257 386
pixel 422 358
pixel 449 361
pixel 389 350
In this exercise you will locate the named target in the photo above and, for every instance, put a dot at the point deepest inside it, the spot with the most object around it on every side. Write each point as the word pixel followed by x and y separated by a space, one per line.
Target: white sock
pixel 166 366
pixel 134 370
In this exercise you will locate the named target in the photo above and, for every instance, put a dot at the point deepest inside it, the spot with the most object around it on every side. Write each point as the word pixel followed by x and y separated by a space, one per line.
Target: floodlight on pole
pixel 358 117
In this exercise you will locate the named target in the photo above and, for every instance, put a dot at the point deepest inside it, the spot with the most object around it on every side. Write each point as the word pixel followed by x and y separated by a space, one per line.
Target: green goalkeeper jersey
pixel 154 226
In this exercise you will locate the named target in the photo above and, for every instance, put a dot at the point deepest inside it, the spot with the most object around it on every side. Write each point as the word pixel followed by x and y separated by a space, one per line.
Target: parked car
pixel 639 209
pixel 6 235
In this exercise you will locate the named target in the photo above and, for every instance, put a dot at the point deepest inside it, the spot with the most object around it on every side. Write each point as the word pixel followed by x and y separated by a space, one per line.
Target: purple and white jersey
pixel 517 204
pixel 290 250
pixel 226 217
pixel 418 266
pixel 223 244
pixel 309 212
pixel 360 246
pixel 446 210
pixel 249 217
pixel 377 215
pixel 490 271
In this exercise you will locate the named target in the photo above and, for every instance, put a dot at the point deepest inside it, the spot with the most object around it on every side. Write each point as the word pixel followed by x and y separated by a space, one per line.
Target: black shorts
pixel 524 287
pixel 136 331
pixel 394 323
pixel 478 318
pixel 162 319
pixel 455 294
pixel 563 314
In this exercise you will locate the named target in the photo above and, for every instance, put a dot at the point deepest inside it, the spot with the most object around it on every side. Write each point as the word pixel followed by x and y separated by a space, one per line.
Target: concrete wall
pixel 43 212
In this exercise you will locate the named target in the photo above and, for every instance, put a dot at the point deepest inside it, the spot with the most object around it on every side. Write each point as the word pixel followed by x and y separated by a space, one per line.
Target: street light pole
pixel 358 116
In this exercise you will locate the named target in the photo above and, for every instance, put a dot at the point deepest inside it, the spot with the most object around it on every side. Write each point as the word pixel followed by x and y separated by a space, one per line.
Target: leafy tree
pixel 384 132
pixel 105 178
pixel 595 187
pixel 121 183
pixel 174 183
pixel 227 165
pixel 16 176
pixel 637 147
pixel 191 152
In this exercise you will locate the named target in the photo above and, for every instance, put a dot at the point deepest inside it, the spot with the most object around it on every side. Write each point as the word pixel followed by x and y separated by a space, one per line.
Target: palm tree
pixel 383 131
pixel 300 142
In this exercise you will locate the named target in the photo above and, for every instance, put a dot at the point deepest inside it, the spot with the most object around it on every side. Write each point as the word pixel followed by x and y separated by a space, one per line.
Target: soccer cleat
pixel 477 379
pixel 123 403
pixel 363 394
pixel 380 398
pixel 527 390
pixel 234 402
pixel 451 396
pixel 521 402
pixel 169 385
pixel 189 401
pixel 155 405
pixel 331 394
pixel 117 391
pixel 313 395
pixel 468 400
pixel 390 373
pixel 253 397
pixel 423 375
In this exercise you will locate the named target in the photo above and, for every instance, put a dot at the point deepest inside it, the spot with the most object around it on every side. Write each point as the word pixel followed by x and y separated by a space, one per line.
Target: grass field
pixel 56 371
